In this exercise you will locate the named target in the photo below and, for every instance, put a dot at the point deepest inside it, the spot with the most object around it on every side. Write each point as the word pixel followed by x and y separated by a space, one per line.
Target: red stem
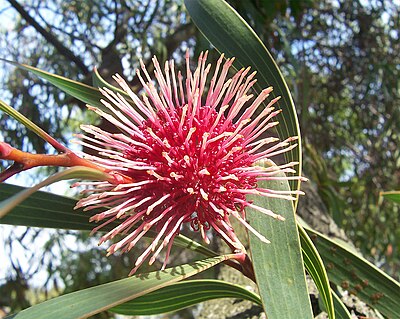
pixel 246 265
pixel 24 161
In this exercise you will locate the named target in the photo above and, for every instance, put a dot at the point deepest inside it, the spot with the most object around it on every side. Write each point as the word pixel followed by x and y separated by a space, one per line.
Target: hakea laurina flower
pixel 186 152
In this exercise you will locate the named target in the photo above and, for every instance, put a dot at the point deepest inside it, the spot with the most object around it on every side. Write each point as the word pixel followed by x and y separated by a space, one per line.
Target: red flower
pixel 187 153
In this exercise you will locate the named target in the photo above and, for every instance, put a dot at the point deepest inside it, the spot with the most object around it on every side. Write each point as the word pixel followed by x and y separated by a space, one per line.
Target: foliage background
pixel 340 59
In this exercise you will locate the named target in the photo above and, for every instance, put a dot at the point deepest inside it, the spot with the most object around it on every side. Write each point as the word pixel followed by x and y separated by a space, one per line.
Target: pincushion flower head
pixel 187 152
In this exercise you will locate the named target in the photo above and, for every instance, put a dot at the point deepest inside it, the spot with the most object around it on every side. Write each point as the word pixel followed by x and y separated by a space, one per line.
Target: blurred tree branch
pixel 50 37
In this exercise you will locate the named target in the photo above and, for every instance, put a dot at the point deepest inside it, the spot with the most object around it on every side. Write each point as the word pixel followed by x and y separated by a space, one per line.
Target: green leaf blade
pixel 392 195
pixel 88 302
pixel 317 271
pixel 278 266
pixel 44 210
pixel 357 275
pixel 341 311
pixel 182 295
pixel 30 125
pixel 81 172
pixel 82 92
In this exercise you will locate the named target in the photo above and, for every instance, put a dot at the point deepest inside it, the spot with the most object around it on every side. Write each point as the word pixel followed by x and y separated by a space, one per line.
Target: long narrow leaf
pixel 341 311
pixel 182 295
pixel 88 302
pixel 278 266
pixel 98 81
pixel 392 195
pixel 230 34
pixel 83 92
pixel 358 276
pixel 30 125
pixel 80 172
pixel 44 210
pixel 316 269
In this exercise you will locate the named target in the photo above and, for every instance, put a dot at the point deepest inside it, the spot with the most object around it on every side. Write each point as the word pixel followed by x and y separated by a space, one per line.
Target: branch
pixel 50 37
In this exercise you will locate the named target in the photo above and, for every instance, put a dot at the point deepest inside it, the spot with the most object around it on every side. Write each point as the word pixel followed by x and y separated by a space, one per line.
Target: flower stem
pixel 246 266
pixel 24 161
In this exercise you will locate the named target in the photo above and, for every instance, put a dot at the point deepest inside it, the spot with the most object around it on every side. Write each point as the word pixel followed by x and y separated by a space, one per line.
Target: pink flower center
pixel 194 158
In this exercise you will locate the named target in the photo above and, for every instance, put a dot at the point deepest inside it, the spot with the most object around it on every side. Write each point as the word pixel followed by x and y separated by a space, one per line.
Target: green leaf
pixel 393 196
pixel 30 125
pixel 341 311
pixel 358 276
pixel 182 295
pixel 278 266
pixel 44 210
pixel 88 302
pixel 83 92
pixel 80 172
pixel 230 34
pixel 48 210
pixel 317 271
pixel 98 81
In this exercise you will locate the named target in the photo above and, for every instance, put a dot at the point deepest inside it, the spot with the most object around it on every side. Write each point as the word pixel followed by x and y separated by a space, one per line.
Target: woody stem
pixel 24 161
